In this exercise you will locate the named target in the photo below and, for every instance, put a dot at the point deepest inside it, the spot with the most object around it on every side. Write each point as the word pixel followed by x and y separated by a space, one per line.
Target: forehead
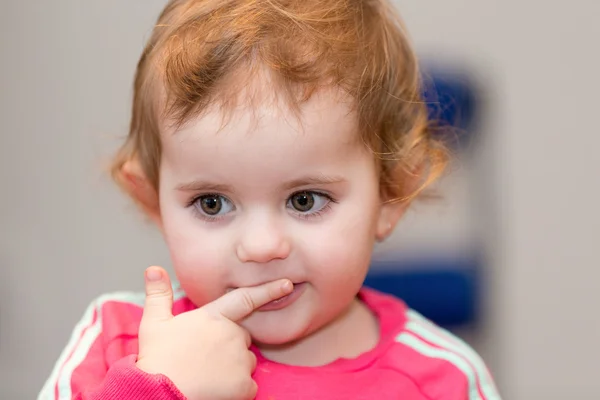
pixel 266 133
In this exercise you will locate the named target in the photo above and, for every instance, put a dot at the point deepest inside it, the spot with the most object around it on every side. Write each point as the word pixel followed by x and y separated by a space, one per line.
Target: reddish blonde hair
pixel 358 46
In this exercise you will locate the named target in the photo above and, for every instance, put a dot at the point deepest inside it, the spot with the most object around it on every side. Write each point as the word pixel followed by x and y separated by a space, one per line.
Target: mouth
pixel 284 301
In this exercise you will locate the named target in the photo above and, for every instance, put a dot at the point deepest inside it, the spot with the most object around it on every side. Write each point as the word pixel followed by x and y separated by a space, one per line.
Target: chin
pixel 276 328
pixel 276 335
pixel 269 339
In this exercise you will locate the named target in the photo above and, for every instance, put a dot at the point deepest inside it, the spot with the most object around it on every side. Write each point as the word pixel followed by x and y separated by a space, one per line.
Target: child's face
pixel 269 197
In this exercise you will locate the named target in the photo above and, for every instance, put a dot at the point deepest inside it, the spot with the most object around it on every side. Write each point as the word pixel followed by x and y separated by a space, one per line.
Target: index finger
pixel 241 302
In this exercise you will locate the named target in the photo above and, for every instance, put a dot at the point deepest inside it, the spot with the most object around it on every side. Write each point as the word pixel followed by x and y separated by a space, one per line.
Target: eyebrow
pixel 313 180
pixel 198 185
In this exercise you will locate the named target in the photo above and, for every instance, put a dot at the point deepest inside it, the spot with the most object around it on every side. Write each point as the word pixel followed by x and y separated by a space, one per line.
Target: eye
pixel 308 202
pixel 213 205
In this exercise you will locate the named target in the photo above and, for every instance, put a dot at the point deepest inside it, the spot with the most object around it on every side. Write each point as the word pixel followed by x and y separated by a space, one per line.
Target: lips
pixel 282 302
pixel 285 301
pixel 229 289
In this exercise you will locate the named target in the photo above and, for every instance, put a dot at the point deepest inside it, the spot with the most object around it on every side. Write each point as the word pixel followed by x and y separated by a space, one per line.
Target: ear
pixel 389 216
pixel 140 189
pixel 392 209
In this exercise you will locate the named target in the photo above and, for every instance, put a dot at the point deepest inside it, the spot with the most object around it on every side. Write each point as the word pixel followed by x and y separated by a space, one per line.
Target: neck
pixel 354 332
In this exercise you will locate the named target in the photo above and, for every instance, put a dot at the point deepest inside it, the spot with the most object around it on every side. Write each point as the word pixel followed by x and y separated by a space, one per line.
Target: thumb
pixel 159 295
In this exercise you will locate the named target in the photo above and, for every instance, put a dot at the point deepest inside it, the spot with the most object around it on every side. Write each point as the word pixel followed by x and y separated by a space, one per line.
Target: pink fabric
pixel 414 360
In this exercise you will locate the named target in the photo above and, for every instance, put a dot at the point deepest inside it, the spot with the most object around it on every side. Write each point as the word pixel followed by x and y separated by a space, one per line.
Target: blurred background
pixel 518 216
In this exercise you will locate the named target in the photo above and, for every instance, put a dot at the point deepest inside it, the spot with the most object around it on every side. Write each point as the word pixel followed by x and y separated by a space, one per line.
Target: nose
pixel 262 241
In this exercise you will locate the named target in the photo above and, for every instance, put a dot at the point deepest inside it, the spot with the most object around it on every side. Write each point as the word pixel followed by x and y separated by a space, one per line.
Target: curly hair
pixel 358 46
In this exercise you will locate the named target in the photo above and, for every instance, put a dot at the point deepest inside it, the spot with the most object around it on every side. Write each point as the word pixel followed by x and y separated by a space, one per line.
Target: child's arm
pixel 93 367
pixel 123 380
pixel 196 355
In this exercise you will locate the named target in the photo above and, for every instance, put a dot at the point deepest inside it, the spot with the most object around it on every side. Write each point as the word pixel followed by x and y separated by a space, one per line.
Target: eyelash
pixel 316 214
pixel 192 204
pixel 305 216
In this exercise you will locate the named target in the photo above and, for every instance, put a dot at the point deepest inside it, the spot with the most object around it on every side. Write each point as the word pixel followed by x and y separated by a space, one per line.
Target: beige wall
pixel 66 235
pixel 542 60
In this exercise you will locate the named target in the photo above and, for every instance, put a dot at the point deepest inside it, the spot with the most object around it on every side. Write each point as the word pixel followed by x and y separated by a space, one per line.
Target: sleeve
pixel 83 371
pixel 444 366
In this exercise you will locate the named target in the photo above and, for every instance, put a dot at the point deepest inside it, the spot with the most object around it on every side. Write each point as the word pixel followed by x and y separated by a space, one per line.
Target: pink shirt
pixel 414 360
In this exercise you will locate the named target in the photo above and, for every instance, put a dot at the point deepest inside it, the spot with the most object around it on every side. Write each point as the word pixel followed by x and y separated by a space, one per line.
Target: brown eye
pixel 211 205
pixel 303 201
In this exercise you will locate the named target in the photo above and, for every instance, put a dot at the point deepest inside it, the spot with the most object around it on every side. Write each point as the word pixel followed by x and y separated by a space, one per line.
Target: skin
pixel 270 196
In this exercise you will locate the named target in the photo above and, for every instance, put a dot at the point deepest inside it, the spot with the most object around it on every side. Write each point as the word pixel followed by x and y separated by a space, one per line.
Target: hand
pixel 204 352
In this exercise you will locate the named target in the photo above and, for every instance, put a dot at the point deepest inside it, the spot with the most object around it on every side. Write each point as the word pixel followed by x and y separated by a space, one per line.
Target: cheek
pixel 199 267
pixel 342 253
pixel 197 256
